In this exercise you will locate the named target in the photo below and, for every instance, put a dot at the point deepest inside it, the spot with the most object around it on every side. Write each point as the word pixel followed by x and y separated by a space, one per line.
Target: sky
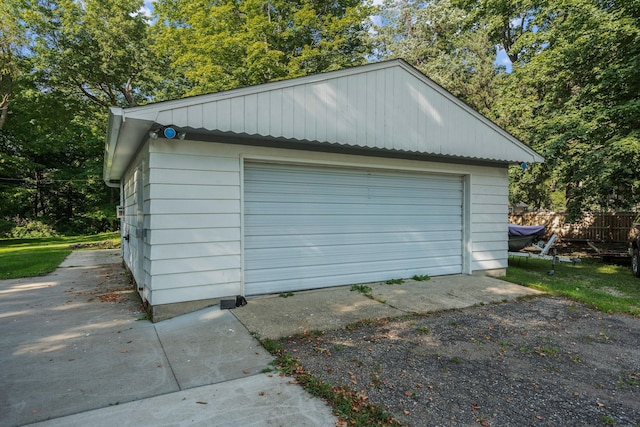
pixel 503 59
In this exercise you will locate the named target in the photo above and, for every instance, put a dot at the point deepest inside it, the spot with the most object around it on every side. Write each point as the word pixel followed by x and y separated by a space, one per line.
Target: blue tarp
pixel 525 230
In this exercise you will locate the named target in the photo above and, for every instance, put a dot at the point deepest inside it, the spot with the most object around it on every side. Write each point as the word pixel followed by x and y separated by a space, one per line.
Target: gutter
pixel 116 118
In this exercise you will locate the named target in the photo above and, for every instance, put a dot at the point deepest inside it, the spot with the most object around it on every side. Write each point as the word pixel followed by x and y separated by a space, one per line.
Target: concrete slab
pixel 447 292
pixel 75 350
pixel 71 342
pixel 259 400
pixel 56 377
pixel 274 317
pixel 89 258
pixel 210 346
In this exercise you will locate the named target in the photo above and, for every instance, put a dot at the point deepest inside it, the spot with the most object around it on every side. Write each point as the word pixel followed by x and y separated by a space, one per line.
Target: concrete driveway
pixel 76 348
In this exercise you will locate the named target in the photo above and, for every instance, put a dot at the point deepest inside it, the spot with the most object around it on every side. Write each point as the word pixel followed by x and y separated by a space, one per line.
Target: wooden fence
pixel 598 227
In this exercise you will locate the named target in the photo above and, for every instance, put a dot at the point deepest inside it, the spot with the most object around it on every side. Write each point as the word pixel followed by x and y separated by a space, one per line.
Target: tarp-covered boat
pixel 521 236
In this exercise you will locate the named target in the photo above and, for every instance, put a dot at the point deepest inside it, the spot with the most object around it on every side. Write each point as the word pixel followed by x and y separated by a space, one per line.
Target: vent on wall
pixel 120 211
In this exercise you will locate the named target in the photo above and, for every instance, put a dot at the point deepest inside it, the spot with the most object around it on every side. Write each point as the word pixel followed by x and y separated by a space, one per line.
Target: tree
pixel 53 148
pixel 221 44
pixel 430 35
pixel 575 97
pixel 96 48
pixel 505 20
pixel 12 41
pixel 74 59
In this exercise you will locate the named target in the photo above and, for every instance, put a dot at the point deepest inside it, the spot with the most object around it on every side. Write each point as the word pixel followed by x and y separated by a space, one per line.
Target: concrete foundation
pixel 161 312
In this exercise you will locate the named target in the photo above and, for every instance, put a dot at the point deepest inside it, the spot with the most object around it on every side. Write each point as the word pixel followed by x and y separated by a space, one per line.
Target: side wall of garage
pixel 196 197
pixel 135 200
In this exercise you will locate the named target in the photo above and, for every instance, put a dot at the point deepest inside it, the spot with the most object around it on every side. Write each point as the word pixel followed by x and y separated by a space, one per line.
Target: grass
pixel 605 287
pixel 37 257
pixel 361 288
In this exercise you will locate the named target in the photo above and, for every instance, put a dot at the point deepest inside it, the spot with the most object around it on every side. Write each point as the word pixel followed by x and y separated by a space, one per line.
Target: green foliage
pixel 29 229
pixel 226 44
pixel 432 36
pixel 505 21
pixel 361 288
pixel 52 172
pixel 95 49
pixel 573 95
pixel 12 41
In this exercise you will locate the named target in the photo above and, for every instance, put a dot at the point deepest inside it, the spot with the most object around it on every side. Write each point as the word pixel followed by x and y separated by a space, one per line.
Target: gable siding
pixel 387 108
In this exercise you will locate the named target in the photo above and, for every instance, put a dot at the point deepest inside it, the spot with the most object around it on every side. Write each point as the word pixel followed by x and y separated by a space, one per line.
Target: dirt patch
pixel 543 361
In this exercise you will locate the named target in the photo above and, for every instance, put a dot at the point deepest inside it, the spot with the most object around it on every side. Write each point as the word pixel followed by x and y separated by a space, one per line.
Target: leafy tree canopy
pixel 221 44
pixel 94 48
pixel 575 96
pixel 432 36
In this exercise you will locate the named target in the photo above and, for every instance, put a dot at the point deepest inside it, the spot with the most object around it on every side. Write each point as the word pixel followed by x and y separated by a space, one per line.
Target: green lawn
pixel 37 257
pixel 605 287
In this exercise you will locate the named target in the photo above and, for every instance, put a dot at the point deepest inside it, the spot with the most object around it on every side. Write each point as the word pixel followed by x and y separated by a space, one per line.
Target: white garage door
pixel 312 227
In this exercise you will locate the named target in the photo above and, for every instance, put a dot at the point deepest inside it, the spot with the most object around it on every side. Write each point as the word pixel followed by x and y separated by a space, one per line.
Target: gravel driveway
pixel 543 361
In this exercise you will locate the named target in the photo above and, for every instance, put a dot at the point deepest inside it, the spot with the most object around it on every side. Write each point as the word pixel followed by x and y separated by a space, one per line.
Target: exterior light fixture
pixel 169 132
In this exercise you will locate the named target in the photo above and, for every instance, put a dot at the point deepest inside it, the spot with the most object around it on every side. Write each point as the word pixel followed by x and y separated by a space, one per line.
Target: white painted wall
pixel 194 234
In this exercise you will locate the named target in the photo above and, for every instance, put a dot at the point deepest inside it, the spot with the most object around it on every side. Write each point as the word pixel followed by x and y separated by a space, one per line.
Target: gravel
pixel 544 361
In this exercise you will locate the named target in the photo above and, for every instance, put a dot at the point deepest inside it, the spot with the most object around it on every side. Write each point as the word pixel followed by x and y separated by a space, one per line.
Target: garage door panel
pixel 313 254
pixel 333 261
pixel 309 227
pixel 334 176
pixel 376 270
pixel 396 220
pixel 263 191
pixel 317 230
pixel 304 239
pixel 356 209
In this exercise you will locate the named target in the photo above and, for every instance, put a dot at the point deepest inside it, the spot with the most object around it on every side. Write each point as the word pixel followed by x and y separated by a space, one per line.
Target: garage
pixel 309 227
pixel 353 176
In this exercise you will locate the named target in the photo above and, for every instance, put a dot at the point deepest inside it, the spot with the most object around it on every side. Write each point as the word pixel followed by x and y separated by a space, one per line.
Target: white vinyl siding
pixel 489 203
pixel 194 236
pixel 195 227
pixel 310 227
pixel 135 250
